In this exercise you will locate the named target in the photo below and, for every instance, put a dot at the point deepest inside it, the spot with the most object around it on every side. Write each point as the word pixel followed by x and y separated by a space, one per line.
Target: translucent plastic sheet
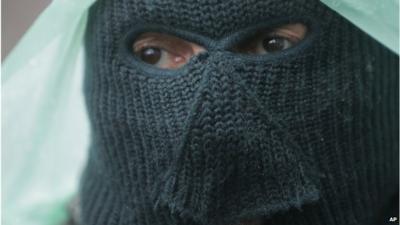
pixel 379 18
pixel 44 126
pixel 45 131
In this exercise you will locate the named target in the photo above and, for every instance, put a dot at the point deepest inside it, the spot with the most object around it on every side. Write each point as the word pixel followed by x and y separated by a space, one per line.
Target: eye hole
pixel 273 41
pixel 164 51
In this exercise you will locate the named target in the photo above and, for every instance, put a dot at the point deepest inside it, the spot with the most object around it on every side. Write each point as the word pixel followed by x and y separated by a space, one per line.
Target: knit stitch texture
pixel 305 136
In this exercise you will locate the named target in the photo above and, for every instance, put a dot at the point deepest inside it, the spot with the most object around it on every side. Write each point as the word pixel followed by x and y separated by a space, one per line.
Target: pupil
pixel 150 55
pixel 274 44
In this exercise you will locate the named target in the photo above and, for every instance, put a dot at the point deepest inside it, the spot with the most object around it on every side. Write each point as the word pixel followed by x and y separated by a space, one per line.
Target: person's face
pixel 218 114
pixel 170 52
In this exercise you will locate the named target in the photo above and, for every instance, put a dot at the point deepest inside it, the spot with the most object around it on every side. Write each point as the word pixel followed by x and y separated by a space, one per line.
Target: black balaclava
pixel 308 135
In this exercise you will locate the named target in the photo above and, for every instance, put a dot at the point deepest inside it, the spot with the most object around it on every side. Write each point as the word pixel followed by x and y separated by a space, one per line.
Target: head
pixel 217 112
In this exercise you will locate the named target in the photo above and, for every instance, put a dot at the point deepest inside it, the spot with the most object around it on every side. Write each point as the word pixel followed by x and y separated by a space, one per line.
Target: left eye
pixel 151 55
pixel 164 51
pixel 159 57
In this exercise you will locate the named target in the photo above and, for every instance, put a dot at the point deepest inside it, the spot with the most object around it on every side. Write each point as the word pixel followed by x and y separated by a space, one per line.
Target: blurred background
pixel 17 16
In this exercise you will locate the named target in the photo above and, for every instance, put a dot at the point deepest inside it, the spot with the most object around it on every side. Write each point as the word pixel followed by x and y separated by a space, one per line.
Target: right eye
pixel 164 51
pixel 273 41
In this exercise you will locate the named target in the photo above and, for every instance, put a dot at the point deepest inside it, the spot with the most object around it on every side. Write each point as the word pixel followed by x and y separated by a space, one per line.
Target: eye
pixel 273 41
pixel 276 44
pixel 151 55
pixel 164 51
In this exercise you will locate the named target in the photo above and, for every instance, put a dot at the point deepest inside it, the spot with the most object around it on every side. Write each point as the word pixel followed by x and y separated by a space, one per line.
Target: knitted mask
pixel 307 135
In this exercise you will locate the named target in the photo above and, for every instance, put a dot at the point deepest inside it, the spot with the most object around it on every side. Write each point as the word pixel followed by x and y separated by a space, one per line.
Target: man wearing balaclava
pixel 253 126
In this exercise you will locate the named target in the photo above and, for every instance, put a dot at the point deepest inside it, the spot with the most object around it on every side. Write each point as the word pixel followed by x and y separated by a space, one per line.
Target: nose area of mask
pixel 235 161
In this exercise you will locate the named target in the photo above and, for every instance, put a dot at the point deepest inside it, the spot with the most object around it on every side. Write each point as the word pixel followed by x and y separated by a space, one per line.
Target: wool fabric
pixel 305 136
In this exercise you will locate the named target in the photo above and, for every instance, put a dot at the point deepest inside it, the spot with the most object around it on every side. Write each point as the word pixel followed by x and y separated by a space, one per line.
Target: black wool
pixel 304 136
